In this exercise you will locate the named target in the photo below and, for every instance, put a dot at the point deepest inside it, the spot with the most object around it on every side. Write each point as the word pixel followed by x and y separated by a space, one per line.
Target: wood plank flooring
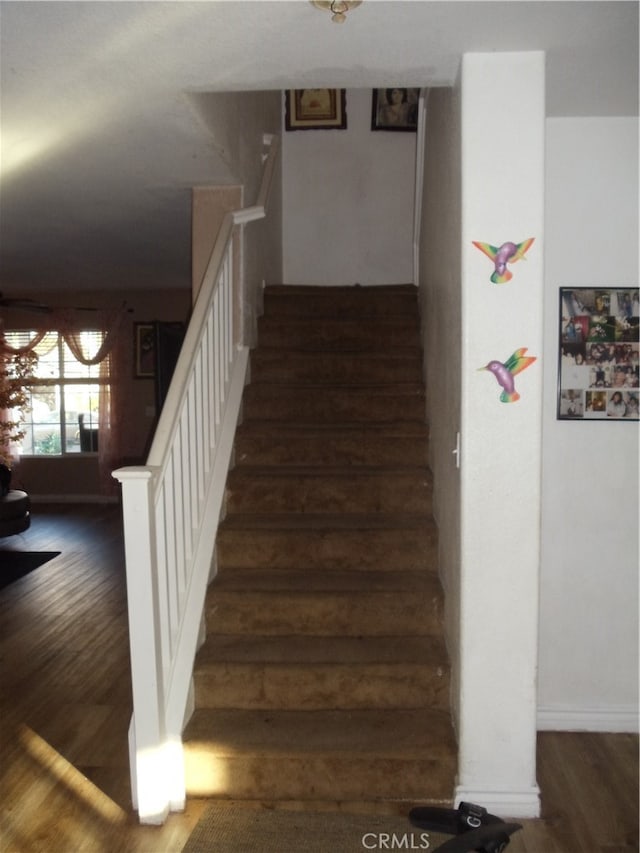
pixel 65 704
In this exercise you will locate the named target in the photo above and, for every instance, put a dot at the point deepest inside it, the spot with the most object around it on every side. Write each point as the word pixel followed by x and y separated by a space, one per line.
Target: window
pixel 62 414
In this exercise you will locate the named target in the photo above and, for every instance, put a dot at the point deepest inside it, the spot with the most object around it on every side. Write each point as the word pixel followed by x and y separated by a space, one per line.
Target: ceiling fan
pixel 23 304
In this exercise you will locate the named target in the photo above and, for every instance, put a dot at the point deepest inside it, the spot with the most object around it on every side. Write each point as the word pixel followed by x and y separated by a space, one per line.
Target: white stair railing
pixel 171 511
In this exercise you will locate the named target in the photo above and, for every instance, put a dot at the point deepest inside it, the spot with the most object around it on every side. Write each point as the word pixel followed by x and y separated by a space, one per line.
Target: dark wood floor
pixel 65 704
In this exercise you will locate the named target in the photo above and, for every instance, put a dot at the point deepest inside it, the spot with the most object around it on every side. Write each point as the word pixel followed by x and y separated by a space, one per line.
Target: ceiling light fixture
pixel 338 8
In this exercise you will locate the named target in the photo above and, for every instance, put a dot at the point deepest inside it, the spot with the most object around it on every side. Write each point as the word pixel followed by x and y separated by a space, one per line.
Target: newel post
pixel 148 749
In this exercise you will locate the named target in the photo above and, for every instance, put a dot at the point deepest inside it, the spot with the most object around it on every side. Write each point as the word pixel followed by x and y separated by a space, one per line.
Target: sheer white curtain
pixel 70 325
pixel 109 420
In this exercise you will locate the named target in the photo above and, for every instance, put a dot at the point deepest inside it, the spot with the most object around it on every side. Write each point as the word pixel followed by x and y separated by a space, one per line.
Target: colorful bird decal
pixel 504 373
pixel 508 253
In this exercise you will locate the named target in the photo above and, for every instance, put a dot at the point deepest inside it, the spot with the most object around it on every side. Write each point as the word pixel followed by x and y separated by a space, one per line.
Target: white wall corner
pixel 524 803
pixel 500 479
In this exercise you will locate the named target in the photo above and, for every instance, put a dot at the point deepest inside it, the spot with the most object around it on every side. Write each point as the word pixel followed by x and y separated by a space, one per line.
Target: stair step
pixel 316 651
pixel 312 673
pixel 393 611
pixel 320 755
pixel 313 333
pixel 318 404
pixel 307 580
pixel 286 365
pixel 349 301
pixel 302 490
pixel 265 443
pixel 327 542
pixel 324 675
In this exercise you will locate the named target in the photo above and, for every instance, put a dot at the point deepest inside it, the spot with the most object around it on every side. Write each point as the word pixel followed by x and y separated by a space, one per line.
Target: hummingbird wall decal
pixel 505 373
pixel 507 253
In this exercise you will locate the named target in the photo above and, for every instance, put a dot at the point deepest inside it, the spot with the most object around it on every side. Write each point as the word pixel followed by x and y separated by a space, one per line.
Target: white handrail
pixel 171 510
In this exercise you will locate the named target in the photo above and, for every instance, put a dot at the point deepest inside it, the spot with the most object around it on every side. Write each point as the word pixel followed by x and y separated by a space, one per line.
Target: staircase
pixel 324 674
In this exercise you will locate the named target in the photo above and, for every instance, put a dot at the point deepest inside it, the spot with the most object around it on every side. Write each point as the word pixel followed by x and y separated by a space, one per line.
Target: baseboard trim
pixel 506 804
pixel 617 718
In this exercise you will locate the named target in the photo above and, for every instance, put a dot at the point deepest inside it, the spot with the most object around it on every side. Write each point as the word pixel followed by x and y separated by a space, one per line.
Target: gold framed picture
pixel 315 109
pixel 144 344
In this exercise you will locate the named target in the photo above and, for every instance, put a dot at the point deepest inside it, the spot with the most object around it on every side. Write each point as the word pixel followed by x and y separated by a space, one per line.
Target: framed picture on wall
pixel 394 109
pixel 144 349
pixel 599 343
pixel 315 109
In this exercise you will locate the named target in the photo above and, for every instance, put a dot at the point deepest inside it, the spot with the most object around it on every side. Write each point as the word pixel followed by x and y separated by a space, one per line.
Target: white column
pixel 150 755
pixel 503 115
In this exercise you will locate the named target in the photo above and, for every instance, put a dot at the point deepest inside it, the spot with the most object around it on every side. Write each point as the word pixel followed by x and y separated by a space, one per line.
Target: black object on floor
pixel 15 505
pixel 473 828
pixel 16 564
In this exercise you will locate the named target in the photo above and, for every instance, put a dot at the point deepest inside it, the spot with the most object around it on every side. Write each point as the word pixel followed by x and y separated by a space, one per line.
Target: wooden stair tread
pixel 232 648
pixel 343 319
pixel 334 334
pixel 389 318
pixel 397 733
pixel 408 353
pixel 392 430
pixel 336 424
pixel 326 612
pixel 332 471
pixel 302 582
pixel 356 389
pixel 307 289
pixel 328 521
pixel 265 443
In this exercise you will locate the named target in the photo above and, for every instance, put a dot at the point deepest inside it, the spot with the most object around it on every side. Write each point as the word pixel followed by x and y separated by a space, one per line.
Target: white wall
pixel 502 200
pixel 588 675
pixel 238 122
pixel 348 202
pixel 441 318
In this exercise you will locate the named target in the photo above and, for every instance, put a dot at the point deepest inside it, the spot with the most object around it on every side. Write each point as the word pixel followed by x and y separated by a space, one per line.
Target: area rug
pixel 17 564
pixel 235 829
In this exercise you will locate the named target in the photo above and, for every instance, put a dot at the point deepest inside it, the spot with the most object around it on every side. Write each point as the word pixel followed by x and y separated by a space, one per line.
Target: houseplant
pixel 15 371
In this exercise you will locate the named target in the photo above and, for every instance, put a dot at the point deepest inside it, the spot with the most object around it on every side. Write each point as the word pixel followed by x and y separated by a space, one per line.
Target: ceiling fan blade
pixel 25 305
pixel 22 304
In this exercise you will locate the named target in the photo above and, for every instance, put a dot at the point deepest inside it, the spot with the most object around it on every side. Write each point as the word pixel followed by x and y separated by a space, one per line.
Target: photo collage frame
pixel 599 354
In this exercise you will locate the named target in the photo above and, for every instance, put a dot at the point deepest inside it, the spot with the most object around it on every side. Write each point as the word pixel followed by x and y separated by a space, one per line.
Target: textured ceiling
pixel 100 125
